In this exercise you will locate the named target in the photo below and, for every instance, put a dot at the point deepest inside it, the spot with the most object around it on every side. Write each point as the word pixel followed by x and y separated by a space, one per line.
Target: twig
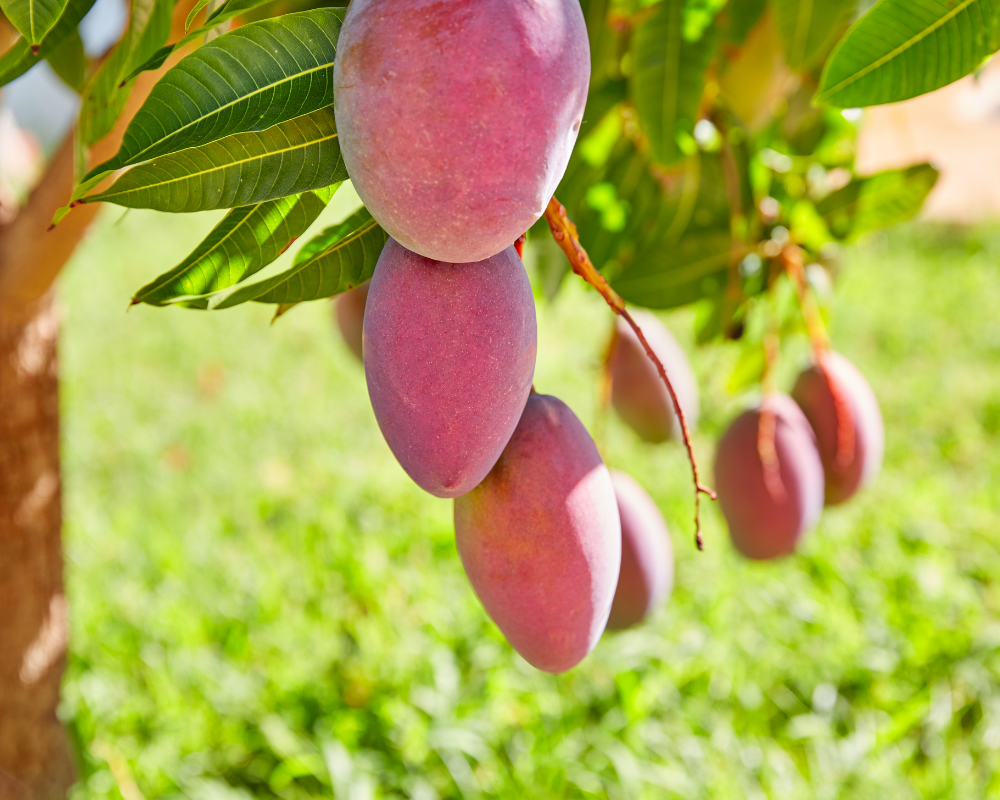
pixel 564 232
pixel 791 259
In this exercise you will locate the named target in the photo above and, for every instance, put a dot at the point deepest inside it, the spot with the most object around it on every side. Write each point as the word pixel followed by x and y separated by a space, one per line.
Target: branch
pixel 564 232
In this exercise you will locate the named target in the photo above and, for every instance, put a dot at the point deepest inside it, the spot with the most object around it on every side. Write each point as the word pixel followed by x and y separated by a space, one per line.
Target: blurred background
pixel 264 605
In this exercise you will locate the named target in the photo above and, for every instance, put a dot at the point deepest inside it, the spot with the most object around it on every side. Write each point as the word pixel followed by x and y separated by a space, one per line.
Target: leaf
pixel 904 48
pixel 222 14
pixel 878 201
pixel 674 246
pixel 671 277
pixel 33 18
pixel 249 79
pixel 743 15
pixel 194 12
pixel 240 170
pixel 105 96
pixel 668 80
pixel 69 62
pixel 809 27
pixel 343 256
pixel 18 58
pixel 244 242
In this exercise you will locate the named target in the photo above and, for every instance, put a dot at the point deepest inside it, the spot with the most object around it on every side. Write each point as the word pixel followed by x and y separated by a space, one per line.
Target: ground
pixel 263 604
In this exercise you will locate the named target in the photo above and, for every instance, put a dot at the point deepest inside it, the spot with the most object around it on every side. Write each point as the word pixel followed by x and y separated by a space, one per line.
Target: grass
pixel 264 606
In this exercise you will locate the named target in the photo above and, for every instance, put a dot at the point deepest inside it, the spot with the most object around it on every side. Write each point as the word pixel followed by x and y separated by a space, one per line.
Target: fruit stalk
pixel 791 259
pixel 565 234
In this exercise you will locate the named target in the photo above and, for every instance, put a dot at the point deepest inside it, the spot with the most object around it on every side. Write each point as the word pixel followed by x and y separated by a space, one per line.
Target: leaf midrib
pixel 157 286
pixel 295 270
pixel 138 156
pixel 900 49
pixel 104 197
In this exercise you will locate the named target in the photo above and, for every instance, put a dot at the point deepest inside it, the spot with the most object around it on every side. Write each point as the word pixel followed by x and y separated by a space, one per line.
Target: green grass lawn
pixel 263 605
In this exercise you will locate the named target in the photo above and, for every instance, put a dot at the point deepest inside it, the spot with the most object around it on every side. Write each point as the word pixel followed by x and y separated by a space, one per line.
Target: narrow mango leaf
pixel 670 277
pixel 246 80
pixel 809 27
pixel 33 18
pixel 194 12
pixel 340 258
pixel 668 80
pixel 69 62
pixel 240 170
pixel 743 15
pixel 904 48
pixel 105 95
pixel 884 199
pixel 222 14
pixel 244 242
pixel 19 57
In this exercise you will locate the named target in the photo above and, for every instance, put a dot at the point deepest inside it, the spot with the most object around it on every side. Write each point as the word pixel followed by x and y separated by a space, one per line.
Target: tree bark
pixel 34 752
pixel 35 758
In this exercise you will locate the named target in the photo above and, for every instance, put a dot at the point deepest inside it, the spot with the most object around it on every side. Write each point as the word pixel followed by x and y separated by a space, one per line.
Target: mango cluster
pixel 778 463
pixel 456 158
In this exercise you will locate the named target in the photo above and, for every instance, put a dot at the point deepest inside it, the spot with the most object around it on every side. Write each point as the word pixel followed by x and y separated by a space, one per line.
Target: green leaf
pixel 69 62
pixel 194 12
pixel 340 258
pixel 222 14
pixel 33 18
pixel 809 27
pixel 669 277
pixel 244 242
pixel 18 58
pixel 904 48
pixel 674 245
pixel 668 80
pixel 248 79
pixel 240 170
pixel 884 199
pixel 105 95
pixel 743 15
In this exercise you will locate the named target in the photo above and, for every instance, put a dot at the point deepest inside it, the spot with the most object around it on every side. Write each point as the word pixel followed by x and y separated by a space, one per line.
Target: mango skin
pixel 540 538
pixel 637 391
pixel 860 464
pixel 457 156
pixel 762 525
pixel 349 311
pixel 647 571
pixel 449 353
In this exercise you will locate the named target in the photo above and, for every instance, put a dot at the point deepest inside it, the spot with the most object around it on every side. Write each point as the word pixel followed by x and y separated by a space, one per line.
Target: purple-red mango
pixel 456 119
pixel 844 414
pixel 540 538
pixel 769 509
pixel 449 352
pixel 349 311
pixel 637 390
pixel 647 572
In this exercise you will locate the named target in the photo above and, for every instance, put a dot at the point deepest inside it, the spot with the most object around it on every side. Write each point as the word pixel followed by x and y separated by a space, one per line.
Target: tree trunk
pixel 35 758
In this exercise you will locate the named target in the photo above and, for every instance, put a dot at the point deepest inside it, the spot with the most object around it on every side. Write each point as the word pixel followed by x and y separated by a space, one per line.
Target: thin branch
pixel 791 259
pixel 564 232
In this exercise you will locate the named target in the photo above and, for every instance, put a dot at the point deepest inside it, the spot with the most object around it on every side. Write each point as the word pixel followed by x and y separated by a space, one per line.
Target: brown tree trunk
pixel 35 757
pixel 34 753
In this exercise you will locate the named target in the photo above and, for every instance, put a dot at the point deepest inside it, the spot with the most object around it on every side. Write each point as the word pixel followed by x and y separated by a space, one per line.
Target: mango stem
pixel 566 236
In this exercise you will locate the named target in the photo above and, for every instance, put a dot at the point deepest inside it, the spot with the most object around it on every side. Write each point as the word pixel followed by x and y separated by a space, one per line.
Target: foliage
pixel 709 137
pixel 252 614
